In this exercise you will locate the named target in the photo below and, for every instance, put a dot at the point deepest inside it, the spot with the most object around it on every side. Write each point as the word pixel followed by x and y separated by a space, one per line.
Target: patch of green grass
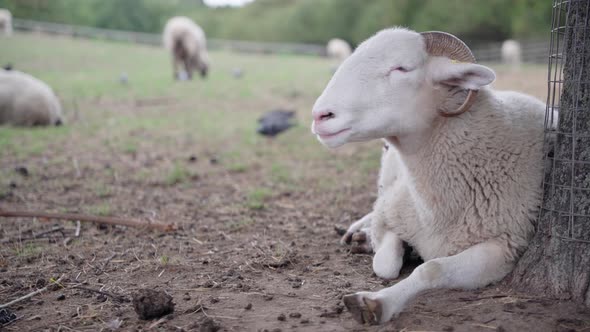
pixel 256 198
pixel 102 190
pixel 129 147
pixel 236 226
pixel 237 167
pixel 280 173
pixel 23 142
pixel 103 209
pixel 164 260
pixel 178 174
pixel 28 250
pixel 143 175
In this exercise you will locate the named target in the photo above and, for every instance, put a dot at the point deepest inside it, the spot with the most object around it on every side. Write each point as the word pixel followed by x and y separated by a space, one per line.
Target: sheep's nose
pixel 323 115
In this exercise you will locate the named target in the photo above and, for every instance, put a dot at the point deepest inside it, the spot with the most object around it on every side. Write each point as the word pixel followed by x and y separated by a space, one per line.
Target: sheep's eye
pixel 397 69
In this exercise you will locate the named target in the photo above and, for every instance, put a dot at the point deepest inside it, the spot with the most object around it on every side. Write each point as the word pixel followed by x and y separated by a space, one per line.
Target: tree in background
pixel 133 15
pixel 310 21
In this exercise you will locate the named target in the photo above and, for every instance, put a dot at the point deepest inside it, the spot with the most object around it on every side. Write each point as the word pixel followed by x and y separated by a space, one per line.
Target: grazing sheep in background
pixel 26 101
pixel 338 49
pixel 186 41
pixel 511 53
pixel 6 22
pixel 461 178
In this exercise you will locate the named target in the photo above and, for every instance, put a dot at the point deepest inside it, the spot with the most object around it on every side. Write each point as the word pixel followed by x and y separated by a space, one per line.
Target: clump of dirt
pixel 149 304
pixel 209 325
pixel 6 316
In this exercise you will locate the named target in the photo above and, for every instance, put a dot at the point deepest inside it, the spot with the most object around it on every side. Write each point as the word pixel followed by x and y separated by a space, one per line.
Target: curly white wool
pixel 27 101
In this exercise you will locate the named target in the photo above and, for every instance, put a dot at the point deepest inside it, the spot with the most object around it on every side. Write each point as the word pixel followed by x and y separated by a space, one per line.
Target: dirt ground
pixel 255 247
pixel 277 268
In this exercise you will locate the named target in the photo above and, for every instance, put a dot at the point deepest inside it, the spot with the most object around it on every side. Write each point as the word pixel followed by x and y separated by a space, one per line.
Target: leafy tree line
pixel 312 21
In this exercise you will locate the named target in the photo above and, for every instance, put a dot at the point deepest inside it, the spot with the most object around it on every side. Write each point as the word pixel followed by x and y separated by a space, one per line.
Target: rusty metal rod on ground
pixel 88 218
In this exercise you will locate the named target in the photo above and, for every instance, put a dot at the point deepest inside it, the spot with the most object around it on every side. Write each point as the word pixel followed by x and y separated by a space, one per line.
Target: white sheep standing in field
pixel 511 53
pixel 460 182
pixel 27 101
pixel 186 41
pixel 338 49
pixel 6 22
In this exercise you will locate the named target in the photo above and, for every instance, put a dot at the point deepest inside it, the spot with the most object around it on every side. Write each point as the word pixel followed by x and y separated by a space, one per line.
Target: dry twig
pixel 119 298
pixel 22 298
pixel 88 218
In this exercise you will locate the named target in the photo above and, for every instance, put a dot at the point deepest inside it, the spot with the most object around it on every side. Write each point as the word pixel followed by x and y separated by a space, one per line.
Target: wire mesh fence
pixel 566 185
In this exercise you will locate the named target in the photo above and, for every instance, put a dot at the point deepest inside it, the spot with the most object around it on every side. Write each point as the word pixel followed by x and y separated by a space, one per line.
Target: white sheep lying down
pixel 27 101
pixel 186 41
pixel 461 180
pixel 6 22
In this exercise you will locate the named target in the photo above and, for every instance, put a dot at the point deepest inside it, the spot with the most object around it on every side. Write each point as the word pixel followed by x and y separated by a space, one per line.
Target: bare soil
pixel 237 261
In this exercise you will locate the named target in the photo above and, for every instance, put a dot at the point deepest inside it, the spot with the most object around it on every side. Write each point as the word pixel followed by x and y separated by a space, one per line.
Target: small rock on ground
pixel 149 303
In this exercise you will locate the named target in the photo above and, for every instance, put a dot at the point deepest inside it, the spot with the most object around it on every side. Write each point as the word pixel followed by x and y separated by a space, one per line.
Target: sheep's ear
pixel 466 75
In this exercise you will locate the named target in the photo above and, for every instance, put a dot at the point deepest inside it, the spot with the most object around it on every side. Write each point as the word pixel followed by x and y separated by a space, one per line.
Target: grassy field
pixel 255 216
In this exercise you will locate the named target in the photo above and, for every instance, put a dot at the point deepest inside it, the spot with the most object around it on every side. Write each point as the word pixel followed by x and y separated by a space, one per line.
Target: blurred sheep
pixel 6 22
pixel 511 53
pixel 186 41
pixel 338 49
pixel 27 101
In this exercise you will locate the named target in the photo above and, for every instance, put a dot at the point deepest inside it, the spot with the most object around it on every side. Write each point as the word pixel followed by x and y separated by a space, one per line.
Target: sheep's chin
pixel 333 142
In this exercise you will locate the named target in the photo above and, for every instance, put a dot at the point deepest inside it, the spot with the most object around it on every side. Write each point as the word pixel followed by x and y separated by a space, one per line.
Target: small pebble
pixel 61 297
pixel 305 321
pixel 295 315
pixel 282 317
pixel 22 170
pixel 448 328
pixel 192 158
pixel 248 306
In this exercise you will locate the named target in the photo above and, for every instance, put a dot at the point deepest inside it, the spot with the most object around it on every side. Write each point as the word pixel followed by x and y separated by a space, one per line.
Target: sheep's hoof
pixel 359 237
pixel 363 310
pixel 361 248
pixel 359 242
pixel 346 238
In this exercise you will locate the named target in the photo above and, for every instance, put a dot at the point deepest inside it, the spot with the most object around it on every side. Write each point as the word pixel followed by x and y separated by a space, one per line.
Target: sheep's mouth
pixel 330 135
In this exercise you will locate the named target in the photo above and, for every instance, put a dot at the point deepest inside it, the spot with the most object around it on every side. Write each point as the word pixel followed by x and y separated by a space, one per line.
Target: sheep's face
pixel 386 88
pixel 374 92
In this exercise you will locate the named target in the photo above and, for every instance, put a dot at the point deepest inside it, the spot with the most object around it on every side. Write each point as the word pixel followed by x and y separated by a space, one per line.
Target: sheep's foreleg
pixel 188 68
pixel 357 234
pixel 389 256
pixel 175 66
pixel 475 267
